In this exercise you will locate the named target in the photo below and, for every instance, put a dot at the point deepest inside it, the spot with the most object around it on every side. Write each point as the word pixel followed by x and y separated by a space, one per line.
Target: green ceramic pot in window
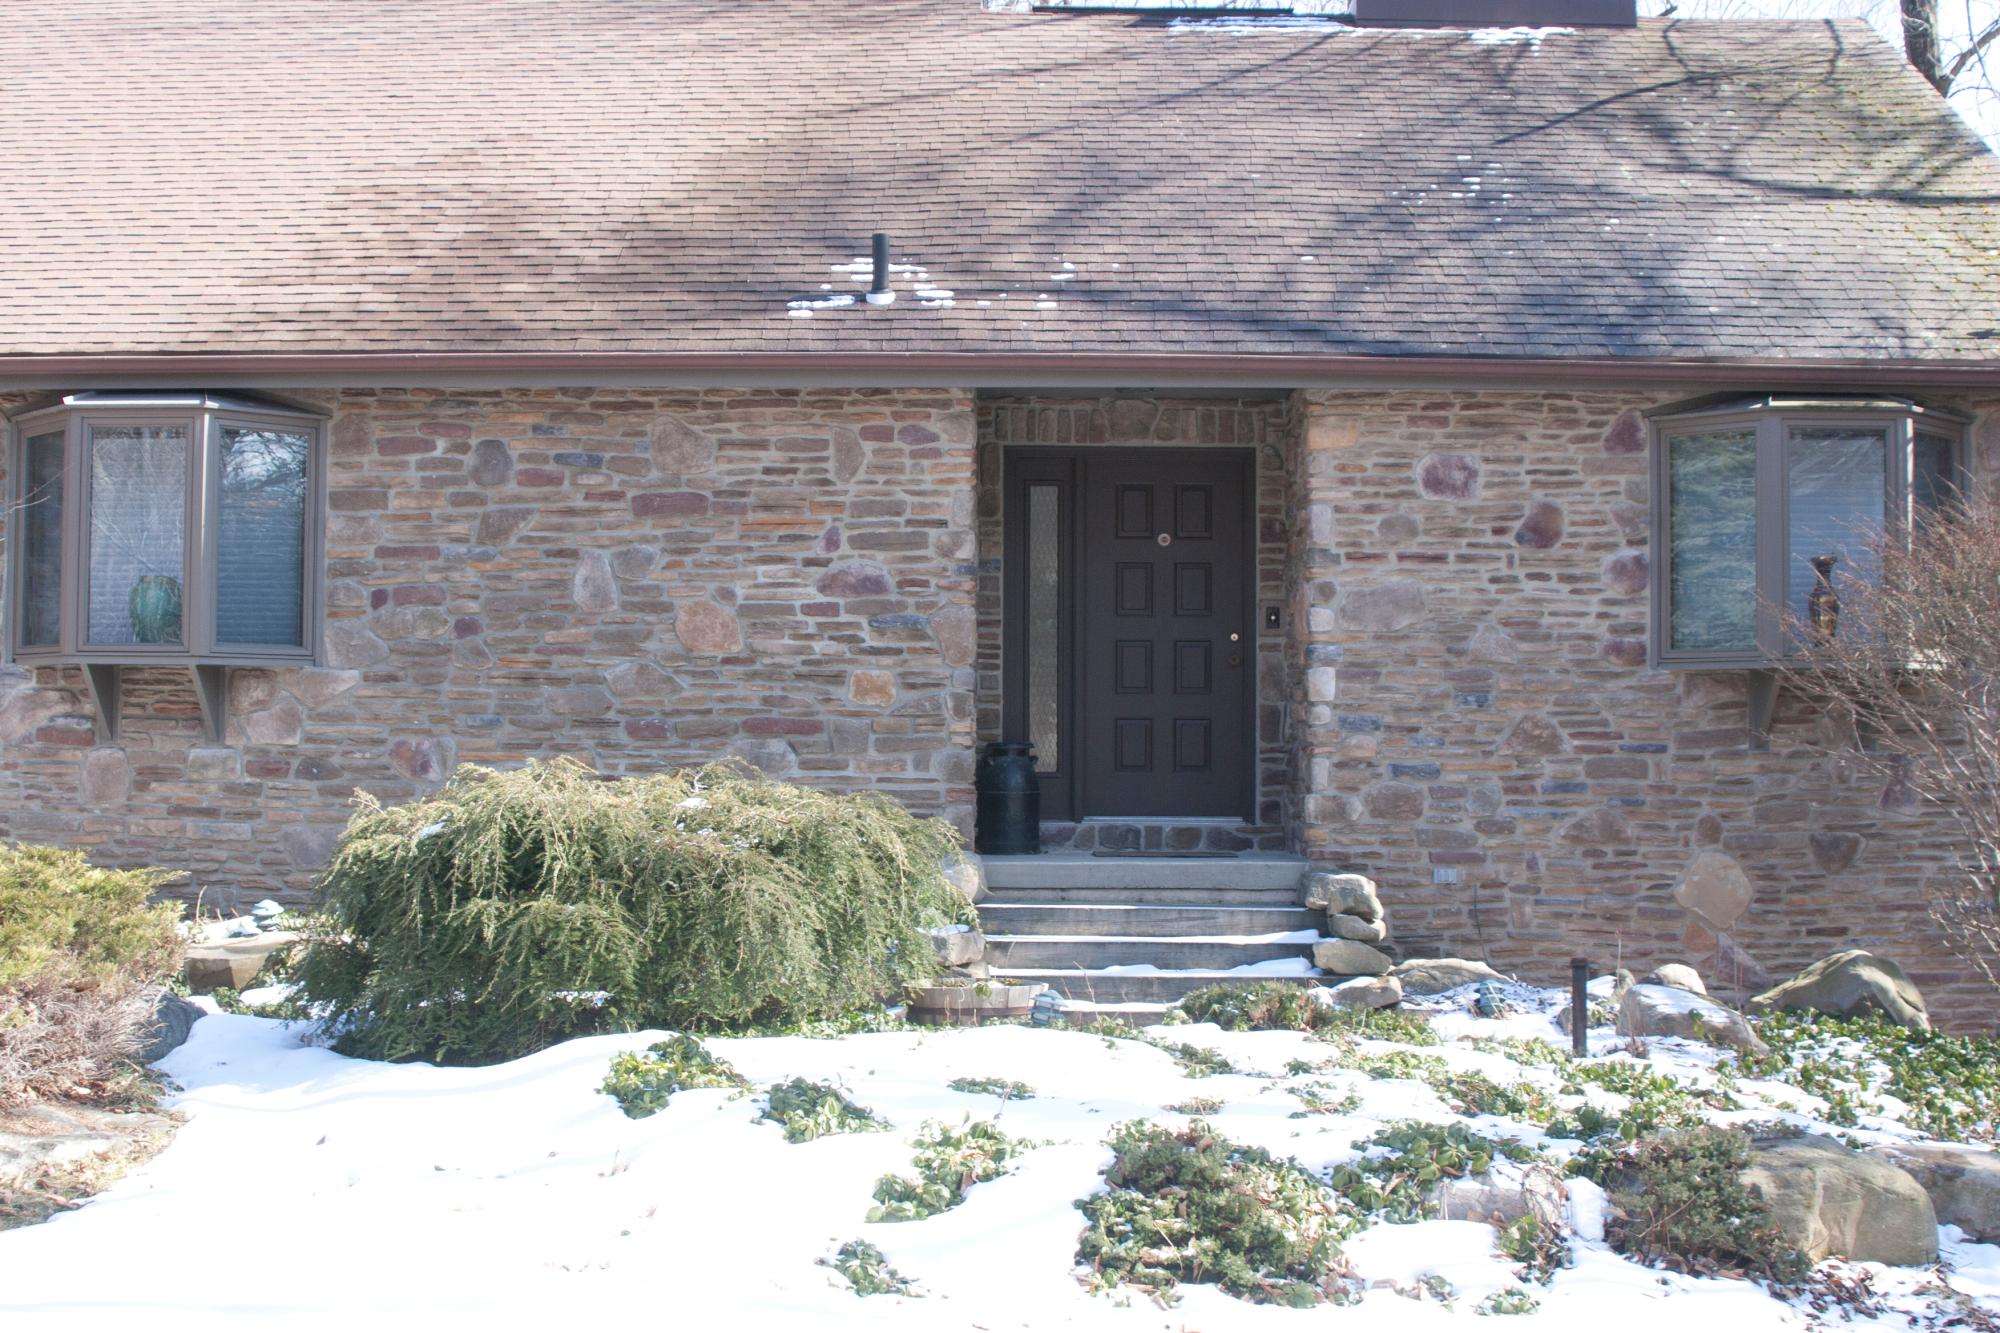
pixel 156 609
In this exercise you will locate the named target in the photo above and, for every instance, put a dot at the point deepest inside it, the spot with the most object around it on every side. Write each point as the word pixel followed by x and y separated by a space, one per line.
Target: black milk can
pixel 1010 801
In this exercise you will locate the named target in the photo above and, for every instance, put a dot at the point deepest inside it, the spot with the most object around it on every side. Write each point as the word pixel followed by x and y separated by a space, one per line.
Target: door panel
pixel 1165 565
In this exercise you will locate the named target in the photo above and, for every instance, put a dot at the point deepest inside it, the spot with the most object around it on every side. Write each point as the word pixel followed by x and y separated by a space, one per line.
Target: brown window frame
pixel 1771 418
pixel 204 416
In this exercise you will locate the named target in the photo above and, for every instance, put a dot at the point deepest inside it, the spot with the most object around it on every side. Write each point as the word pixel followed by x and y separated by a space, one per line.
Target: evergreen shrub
pixel 516 909
pixel 83 952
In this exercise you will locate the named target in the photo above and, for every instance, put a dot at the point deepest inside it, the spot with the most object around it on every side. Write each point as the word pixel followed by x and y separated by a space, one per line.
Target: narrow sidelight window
pixel 1712 536
pixel 41 541
pixel 1044 624
pixel 260 537
pixel 1836 486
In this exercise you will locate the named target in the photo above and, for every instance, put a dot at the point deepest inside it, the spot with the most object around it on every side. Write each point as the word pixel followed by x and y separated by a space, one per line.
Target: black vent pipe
pixel 878 289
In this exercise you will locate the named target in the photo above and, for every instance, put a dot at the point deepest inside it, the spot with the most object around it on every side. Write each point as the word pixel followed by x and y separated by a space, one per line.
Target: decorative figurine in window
pixel 155 608
pixel 1823 602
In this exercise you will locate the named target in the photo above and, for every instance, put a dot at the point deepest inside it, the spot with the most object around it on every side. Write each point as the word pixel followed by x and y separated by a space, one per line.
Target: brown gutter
pixel 975 369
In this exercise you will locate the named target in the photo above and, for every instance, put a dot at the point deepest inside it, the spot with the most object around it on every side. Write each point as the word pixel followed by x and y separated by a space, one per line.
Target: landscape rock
pixel 173 1019
pixel 958 946
pixel 1433 976
pixel 1507 1193
pixel 1666 1011
pixel 1350 895
pixel 1847 985
pixel 1356 928
pixel 1362 993
pixel 1963 1183
pixel 1678 975
pixel 965 872
pixel 1349 958
pixel 1826 1199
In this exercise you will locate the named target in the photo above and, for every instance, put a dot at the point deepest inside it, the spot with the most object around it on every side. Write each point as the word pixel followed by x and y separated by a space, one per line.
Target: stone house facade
pixel 614 473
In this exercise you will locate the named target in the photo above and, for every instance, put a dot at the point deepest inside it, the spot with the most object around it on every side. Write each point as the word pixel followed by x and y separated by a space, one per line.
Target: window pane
pixel 1712 539
pixel 138 533
pixel 1044 625
pixel 1934 481
pixel 41 542
pixel 1836 480
pixel 260 537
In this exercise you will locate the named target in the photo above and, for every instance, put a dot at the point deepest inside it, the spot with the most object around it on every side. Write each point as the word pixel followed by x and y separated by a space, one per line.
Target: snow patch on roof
pixel 1528 37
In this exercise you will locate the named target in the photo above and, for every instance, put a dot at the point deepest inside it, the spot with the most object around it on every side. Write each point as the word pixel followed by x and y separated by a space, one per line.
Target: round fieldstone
pixel 1449 476
pixel 855 578
pixel 1541 527
pixel 1384 607
pixel 704 627
pixel 492 463
pixel 593 587
pixel 1715 888
pixel 679 448
pixel 1625 574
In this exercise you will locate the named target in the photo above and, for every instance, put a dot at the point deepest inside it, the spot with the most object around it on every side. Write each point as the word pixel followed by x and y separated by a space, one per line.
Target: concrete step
pixel 1283 896
pixel 1185 952
pixel 1081 870
pixel 1006 917
pixel 1123 987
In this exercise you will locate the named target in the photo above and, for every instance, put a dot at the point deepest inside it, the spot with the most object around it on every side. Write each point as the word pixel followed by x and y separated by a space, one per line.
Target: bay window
pixel 1766 511
pixel 165 529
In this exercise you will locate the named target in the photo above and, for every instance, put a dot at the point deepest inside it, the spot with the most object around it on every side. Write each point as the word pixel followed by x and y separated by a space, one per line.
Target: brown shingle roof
pixel 636 175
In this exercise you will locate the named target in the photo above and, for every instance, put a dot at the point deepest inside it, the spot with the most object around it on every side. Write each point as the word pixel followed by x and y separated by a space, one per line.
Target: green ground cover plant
pixel 1395 1184
pixel 1950 1084
pixel 1681 1202
pixel 811 1111
pixel 1006 1089
pixel 1187 1205
pixel 642 1082
pixel 948 1161
pixel 866 1270
pixel 515 909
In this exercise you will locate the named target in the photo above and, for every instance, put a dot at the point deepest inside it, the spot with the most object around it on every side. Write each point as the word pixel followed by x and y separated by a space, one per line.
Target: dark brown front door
pixel 1130 644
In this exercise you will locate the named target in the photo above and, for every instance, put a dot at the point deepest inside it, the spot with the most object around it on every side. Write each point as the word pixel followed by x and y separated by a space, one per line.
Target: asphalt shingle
pixel 590 175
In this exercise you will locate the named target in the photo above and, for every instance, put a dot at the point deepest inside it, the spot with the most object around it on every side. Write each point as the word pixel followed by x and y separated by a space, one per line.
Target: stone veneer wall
pixel 1478 730
pixel 640 579
pixel 1266 424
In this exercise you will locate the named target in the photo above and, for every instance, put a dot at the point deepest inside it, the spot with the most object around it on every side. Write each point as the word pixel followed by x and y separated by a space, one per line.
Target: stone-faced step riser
pixel 1087 952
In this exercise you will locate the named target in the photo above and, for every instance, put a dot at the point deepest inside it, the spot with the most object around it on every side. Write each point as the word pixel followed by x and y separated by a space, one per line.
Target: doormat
pixel 1224 855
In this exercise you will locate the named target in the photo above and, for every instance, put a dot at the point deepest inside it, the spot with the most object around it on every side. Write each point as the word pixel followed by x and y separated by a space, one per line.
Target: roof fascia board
pixel 968 370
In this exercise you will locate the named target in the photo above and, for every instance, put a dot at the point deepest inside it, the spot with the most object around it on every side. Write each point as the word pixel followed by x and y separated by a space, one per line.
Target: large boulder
pixel 1357 928
pixel 1351 895
pixel 1507 1193
pixel 957 946
pixel 1826 1199
pixel 1433 976
pixel 1678 975
pixel 1848 985
pixel 1963 1183
pixel 1349 958
pixel 1667 1011
pixel 1362 993
pixel 965 872
pixel 173 1019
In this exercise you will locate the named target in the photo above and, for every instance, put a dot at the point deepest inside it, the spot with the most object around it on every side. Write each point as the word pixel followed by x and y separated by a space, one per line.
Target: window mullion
pixel 1773 523
pixel 203 484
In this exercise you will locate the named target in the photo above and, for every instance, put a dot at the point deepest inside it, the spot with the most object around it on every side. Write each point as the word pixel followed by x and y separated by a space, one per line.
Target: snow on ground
pixel 313 1191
